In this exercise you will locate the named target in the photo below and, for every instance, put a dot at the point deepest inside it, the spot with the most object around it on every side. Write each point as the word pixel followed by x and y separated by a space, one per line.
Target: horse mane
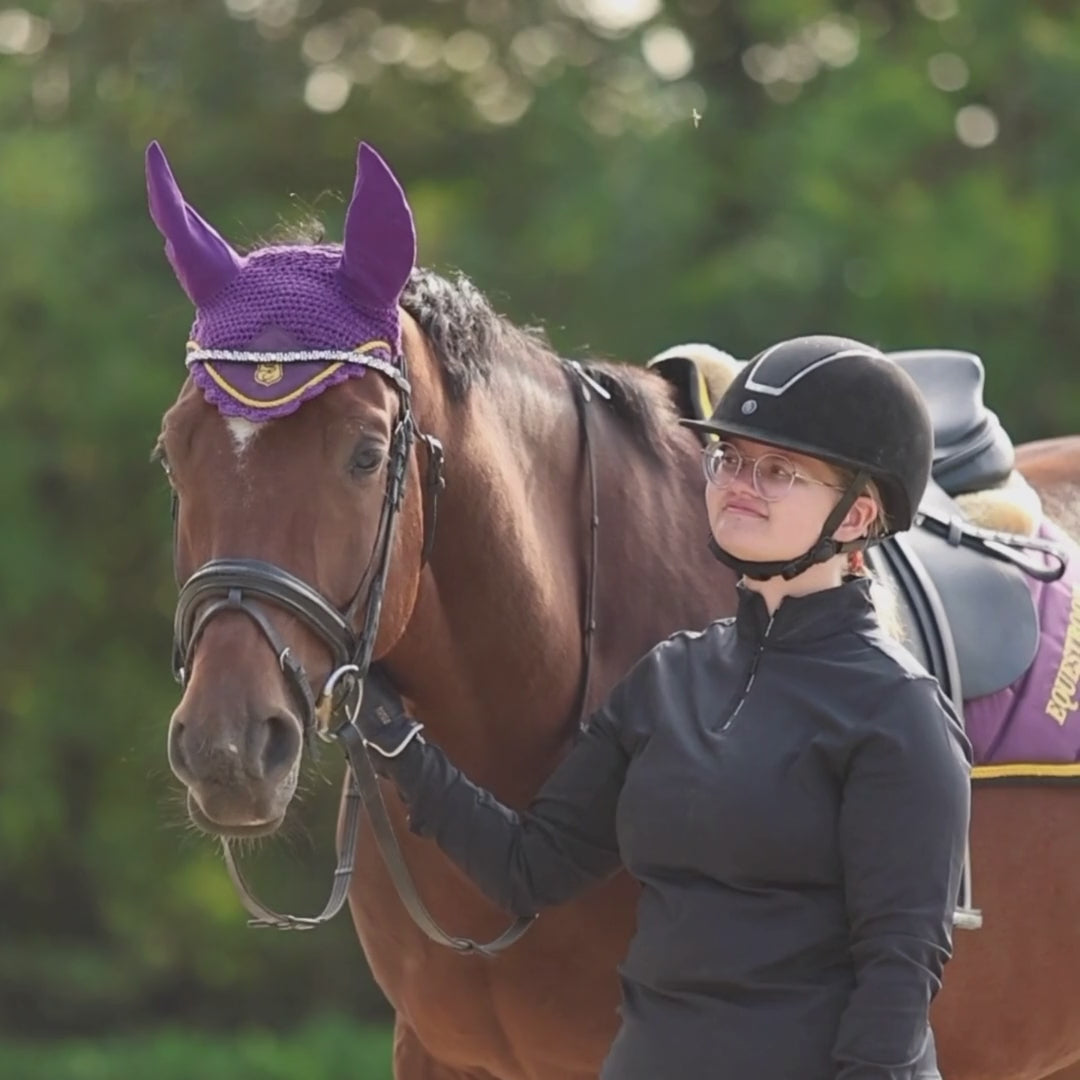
pixel 469 337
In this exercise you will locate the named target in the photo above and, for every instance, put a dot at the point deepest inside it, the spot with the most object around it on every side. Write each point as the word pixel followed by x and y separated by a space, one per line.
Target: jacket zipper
pixel 750 678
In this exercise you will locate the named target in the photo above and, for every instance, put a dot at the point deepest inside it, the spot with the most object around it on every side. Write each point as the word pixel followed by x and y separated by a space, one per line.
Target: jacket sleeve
pixel 546 854
pixel 903 831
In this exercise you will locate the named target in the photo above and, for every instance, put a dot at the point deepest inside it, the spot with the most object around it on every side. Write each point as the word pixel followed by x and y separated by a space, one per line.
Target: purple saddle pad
pixel 1036 719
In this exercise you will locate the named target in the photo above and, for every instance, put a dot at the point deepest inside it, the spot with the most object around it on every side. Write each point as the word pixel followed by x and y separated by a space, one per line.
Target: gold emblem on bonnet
pixel 268 374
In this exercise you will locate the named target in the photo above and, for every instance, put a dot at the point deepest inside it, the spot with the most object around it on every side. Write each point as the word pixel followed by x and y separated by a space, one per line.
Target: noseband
pixel 243 585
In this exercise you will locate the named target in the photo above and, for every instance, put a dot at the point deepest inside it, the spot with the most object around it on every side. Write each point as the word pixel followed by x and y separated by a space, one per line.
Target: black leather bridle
pixel 239 585
pixel 226 585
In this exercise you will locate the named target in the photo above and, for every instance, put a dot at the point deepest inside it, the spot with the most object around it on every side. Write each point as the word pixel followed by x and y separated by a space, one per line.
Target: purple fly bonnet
pixel 278 326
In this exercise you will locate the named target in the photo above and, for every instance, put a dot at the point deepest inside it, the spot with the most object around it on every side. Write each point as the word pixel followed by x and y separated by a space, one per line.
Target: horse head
pixel 286 518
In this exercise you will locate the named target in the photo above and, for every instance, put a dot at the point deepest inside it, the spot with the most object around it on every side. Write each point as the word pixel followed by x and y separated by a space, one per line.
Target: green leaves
pixel 332 1049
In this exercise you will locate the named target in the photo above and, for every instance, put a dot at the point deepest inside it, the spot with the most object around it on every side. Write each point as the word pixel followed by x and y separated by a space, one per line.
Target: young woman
pixel 789 786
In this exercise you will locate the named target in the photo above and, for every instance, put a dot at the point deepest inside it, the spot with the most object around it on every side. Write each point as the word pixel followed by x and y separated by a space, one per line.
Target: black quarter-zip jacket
pixel 792 792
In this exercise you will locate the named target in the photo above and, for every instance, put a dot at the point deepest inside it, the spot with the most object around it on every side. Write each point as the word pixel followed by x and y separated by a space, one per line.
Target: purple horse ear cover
pixel 276 327
pixel 202 261
pixel 378 220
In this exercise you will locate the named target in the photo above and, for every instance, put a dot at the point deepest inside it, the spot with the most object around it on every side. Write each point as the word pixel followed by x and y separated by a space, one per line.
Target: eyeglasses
pixel 773 475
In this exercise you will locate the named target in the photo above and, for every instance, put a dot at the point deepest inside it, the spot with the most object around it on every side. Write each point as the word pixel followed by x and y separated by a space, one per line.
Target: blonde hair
pixel 885 600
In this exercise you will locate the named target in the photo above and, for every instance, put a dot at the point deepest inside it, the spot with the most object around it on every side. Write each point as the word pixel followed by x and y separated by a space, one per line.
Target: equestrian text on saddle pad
pixel 279 325
pixel 1036 720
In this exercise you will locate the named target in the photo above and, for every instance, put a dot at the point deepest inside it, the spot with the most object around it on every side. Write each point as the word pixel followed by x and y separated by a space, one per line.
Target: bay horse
pixel 487 637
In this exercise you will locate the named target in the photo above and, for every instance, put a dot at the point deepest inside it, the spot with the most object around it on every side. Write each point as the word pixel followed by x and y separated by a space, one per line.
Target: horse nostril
pixel 281 744
pixel 177 757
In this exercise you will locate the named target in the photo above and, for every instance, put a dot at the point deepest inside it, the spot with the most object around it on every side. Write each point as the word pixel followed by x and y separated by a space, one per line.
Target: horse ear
pixel 201 259
pixel 379 249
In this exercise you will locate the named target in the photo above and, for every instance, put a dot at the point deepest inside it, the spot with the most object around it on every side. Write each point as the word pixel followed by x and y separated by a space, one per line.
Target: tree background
pixel 629 173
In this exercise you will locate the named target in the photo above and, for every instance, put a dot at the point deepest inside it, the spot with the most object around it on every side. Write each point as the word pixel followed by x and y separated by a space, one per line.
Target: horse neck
pixel 493 655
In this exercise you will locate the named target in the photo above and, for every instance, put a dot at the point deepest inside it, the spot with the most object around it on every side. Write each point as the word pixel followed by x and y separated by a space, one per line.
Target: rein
pixel 235 584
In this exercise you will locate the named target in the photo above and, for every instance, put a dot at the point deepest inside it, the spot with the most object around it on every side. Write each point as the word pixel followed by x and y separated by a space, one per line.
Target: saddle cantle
pixel 971 449
pixel 698 375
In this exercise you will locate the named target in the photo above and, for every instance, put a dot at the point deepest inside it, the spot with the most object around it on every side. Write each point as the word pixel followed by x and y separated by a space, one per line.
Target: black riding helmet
pixel 841 401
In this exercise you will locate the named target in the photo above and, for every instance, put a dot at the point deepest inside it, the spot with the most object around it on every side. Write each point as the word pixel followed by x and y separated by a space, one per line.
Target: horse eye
pixel 366 459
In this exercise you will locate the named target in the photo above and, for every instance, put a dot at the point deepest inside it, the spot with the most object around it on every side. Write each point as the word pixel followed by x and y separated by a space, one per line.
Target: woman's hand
pixel 382 720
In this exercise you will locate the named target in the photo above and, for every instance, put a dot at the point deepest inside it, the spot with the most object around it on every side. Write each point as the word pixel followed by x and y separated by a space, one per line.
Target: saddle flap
pixel 990 609
pixel 989 606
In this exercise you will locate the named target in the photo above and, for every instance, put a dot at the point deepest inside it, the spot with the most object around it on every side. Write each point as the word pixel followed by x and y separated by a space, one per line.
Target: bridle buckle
pixel 326 708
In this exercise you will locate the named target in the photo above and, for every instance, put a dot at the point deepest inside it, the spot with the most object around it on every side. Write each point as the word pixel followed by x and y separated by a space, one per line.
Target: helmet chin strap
pixel 823 549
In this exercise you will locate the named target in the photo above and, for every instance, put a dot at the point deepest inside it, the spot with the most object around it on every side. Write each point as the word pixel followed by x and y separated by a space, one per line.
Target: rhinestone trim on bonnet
pixel 226 375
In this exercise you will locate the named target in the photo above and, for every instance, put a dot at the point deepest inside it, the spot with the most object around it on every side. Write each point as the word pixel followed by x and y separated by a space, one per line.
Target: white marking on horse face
pixel 242 432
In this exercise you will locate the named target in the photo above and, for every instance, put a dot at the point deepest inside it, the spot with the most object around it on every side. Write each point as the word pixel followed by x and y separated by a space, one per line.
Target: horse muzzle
pixel 240 766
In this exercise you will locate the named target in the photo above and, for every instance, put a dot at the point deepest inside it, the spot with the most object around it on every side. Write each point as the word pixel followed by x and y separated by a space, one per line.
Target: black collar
pixel 807 618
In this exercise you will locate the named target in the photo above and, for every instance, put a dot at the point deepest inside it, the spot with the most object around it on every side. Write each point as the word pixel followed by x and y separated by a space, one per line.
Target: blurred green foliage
pixel 631 173
pixel 329 1049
